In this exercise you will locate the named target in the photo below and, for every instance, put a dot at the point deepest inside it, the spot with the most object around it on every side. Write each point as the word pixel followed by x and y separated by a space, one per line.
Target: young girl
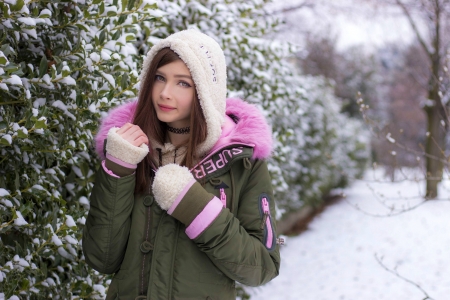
pixel 182 205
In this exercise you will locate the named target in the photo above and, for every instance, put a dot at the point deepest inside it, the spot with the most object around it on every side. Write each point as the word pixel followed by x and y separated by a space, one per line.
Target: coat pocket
pixel 267 223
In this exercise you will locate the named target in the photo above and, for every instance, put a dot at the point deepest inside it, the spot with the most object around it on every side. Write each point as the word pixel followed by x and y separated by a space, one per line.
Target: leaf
pixel 40 124
pixel 5 11
pixel 131 4
pixel 124 81
pixel 101 37
pixel 21 133
pixel 5 141
pixel 101 8
pixel 10 68
pixel 82 27
pixel 43 66
pixel 96 1
pixel 124 4
pixel 25 284
pixel 151 6
pixel 84 167
pixel 6 49
pixel 117 34
pixel 121 19
pixel 18 6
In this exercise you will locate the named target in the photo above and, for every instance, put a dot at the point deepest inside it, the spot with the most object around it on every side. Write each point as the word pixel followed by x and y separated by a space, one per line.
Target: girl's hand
pixel 133 134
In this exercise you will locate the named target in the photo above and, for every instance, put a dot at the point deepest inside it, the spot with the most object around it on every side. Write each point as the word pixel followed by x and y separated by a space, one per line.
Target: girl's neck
pixel 177 139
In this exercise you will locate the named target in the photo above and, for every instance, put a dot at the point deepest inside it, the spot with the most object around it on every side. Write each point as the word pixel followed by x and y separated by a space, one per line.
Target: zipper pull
pixel 266 215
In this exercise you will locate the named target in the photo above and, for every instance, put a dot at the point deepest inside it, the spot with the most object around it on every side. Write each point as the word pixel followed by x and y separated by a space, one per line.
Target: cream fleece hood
pixel 206 62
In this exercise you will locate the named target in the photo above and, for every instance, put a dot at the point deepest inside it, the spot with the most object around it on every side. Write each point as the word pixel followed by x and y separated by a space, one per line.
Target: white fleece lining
pixel 206 62
pixel 169 182
pixel 118 147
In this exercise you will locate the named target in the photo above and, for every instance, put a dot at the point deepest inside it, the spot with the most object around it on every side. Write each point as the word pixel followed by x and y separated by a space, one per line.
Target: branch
pixel 414 27
pixel 380 261
pixel 292 8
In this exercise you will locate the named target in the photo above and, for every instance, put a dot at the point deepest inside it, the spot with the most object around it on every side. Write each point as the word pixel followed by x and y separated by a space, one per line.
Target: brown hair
pixel 145 117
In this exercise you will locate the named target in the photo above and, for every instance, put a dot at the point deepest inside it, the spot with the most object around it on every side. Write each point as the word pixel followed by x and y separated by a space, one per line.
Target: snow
pixel 95 57
pixel 68 80
pixel 3 192
pixel 22 262
pixel 45 12
pixel 14 80
pixel 342 253
pixel 19 221
pixel 59 104
pixel 84 201
pixel 70 222
pixel 27 21
pixel 109 78
pixel 71 240
pixel 56 240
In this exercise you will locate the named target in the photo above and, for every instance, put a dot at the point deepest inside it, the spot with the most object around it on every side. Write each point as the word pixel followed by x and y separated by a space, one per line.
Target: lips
pixel 165 108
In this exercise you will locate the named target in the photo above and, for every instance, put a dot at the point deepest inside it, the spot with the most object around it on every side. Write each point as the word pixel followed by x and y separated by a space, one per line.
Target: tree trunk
pixel 434 149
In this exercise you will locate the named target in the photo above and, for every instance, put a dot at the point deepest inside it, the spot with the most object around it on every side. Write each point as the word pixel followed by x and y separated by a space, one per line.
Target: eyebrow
pixel 176 76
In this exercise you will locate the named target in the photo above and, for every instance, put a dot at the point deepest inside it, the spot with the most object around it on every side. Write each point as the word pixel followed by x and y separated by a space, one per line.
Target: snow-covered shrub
pixel 326 148
pixel 62 63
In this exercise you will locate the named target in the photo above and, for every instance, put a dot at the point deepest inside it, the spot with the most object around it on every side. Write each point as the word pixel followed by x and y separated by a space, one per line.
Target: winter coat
pixel 149 251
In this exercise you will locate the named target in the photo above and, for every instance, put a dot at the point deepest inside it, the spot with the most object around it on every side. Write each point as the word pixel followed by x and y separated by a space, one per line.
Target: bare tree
pixel 434 14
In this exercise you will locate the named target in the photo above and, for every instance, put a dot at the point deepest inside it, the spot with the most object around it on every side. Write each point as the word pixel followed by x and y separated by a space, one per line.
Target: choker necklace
pixel 184 130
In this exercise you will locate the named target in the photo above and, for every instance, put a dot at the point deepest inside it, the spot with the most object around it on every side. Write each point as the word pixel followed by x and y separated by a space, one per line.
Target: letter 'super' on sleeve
pixel 105 234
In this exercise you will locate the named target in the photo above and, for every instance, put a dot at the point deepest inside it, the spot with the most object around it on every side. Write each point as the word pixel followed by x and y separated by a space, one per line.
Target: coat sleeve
pixel 242 246
pixel 105 234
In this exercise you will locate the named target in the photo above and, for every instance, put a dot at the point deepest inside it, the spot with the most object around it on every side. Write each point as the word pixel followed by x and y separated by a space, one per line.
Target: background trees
pixel 63 65
pixel 435 44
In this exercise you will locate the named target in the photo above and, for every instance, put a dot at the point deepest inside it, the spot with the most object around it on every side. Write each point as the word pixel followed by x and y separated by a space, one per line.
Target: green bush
pixel 62 63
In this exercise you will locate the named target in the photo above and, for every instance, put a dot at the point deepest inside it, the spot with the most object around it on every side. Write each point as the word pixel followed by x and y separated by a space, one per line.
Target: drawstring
pixel 247 163
pixel 160 156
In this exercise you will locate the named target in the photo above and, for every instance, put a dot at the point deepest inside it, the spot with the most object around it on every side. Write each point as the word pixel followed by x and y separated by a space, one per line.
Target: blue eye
pixel 184 84
pixel 159 78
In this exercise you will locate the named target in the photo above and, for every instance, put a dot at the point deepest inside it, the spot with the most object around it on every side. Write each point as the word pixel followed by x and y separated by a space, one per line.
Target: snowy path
pixel 335 257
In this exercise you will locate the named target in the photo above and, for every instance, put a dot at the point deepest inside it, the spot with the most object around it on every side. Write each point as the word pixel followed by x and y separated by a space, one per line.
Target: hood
pixel 244 124
pixel 206 62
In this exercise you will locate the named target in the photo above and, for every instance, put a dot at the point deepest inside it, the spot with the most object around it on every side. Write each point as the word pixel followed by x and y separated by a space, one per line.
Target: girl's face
pixel 173 94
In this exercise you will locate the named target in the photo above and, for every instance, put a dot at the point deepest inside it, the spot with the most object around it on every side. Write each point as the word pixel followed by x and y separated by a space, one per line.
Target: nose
pixel 165 92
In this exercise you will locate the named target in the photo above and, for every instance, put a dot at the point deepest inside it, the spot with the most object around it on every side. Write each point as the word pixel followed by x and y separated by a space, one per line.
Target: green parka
pixel 149 251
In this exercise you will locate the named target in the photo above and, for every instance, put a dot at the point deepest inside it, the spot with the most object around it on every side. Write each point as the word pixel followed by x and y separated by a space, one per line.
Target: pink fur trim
pixel 116 117
pixel 251 128
pixel 205 218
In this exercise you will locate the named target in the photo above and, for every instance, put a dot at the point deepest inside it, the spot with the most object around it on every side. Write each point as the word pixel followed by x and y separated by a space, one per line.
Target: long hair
pixel 146 118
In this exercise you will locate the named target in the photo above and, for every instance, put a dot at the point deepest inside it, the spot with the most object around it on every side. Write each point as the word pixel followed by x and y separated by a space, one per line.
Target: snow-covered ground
pixel 336 258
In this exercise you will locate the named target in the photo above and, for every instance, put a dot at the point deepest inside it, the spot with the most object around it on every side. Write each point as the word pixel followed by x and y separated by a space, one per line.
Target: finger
pixel 139 136
pixel 131 130
pixel 140 140
pixel 124 128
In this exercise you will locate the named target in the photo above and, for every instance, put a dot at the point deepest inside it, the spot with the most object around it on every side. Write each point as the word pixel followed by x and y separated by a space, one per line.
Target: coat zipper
pixel 266 223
